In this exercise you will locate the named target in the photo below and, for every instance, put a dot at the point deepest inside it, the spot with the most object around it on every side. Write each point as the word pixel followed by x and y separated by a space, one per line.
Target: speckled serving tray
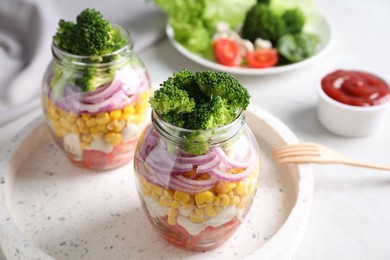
pixel 50 209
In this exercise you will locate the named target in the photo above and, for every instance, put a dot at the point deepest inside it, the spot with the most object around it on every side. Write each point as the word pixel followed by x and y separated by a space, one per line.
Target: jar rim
pixel 217 135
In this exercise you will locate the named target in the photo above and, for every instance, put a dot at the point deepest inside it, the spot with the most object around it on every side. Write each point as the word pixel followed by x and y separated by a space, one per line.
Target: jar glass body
pixel 97 107
pixel 196 202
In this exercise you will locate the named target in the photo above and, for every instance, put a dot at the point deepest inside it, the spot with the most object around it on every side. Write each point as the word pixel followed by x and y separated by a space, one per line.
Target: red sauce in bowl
pixel 356 88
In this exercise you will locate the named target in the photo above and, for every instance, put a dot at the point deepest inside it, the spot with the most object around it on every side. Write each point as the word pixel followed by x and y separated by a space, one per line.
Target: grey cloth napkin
pixel 26 30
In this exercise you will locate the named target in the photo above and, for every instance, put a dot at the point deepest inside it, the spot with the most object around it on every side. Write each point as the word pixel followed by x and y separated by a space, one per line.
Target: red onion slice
pixel 231 177
pixel 229 161
pixel 196 160
pixel 208 166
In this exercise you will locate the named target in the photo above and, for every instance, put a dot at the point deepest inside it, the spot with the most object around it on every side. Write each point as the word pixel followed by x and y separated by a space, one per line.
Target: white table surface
pixel 350 216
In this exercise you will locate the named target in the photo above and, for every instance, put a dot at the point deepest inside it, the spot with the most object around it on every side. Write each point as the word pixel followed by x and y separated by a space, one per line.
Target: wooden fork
pixel 317 153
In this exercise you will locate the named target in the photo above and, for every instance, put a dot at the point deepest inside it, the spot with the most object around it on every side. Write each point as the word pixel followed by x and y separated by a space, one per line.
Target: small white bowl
pixel 348 120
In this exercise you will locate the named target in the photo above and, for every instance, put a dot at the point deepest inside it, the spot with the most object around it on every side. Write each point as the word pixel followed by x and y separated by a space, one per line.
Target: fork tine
pixel 296 159
pixel 293 148
pixel 282 154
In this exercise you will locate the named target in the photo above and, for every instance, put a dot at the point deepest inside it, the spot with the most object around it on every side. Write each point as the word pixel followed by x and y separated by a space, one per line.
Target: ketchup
pixel 356 88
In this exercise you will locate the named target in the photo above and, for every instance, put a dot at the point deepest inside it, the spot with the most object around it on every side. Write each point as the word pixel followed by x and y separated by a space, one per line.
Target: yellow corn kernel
pixel 209 210
pixel 129 110
pixel 234 200
pixel 85 116
pixel 225 187
pixel 102 118
pixel 155 196
pixel 84 145
pixel 111 125
pixel 116 114
pixel 91 122
pixel 157 189
pixel 52 112
pixel 189 205
pixel 168 194
pixel 65 123
pixel 74 129
pixel 217 209
pixel 195 218
pixel 71 117
pixel 175 204
pixel 93 130
pixel 216 201
pixel 119 125
pixel 163 201
pixel 84 130
pixel 113 138
pixel 172 212
pixel 171 220
pixel 224 200
pixel 182 197
pixel 199 211
pixel 62 113
pixel 204 198
pixel 80 123
pixel 101 128
pixel 60 132
pixel 240 188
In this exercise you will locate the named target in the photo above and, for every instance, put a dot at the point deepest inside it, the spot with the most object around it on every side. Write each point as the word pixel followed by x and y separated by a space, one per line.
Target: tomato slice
pixel 227 52
pixel 262 58
pixel 121 154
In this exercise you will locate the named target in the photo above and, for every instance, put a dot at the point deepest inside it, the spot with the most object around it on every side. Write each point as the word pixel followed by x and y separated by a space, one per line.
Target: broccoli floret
pixel 90 35
pixel 262 22
pixel 215 83
pixel 169 98
pixel 91 79
pixel 212 114
pixel 297 47
pixel 294 20
pixel 200 101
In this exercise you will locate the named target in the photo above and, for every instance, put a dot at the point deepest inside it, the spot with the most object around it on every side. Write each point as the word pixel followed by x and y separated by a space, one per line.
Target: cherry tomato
pixel 120 155
pixel 217 235
pixel 227 52
pixel 262 58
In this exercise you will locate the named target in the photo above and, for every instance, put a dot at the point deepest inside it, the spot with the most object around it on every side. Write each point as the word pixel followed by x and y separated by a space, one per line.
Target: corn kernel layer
pixel 106 125
pixel 206 204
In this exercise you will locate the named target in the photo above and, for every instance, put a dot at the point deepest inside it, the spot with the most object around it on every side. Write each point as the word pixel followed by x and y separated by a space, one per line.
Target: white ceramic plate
pixel 319 24
pixel 52 210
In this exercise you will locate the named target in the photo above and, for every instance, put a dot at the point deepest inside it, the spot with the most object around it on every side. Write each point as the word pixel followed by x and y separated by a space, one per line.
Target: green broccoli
pixel 294 20
pixel 212 114
pixel 91 35
pixel 199 101
pixel 169 98
pixel 297 47
pixel 262 22
pixel 214 83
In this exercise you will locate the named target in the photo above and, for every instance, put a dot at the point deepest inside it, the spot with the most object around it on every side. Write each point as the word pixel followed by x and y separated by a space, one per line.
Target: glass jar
pixel 96 107
pixel 196 202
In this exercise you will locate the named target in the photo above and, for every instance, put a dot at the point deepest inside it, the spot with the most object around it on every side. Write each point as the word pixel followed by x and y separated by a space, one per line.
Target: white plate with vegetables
pixel 50 209
pixel 317 24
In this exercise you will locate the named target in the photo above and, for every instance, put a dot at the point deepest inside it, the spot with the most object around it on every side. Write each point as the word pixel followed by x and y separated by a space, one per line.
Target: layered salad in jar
pixel 95 92
pixel 197 165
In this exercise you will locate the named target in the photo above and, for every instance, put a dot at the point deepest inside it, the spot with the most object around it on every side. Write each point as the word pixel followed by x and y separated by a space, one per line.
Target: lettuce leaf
pixel 194 21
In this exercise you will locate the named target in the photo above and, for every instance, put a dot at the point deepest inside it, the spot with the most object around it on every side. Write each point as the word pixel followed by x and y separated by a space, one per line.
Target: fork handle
pixel 368 165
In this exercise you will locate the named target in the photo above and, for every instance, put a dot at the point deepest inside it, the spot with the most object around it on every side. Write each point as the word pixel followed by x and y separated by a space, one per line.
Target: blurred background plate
pixel 318 23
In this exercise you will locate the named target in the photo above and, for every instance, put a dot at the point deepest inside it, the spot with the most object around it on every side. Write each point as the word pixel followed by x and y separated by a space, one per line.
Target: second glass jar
pixel 97 128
